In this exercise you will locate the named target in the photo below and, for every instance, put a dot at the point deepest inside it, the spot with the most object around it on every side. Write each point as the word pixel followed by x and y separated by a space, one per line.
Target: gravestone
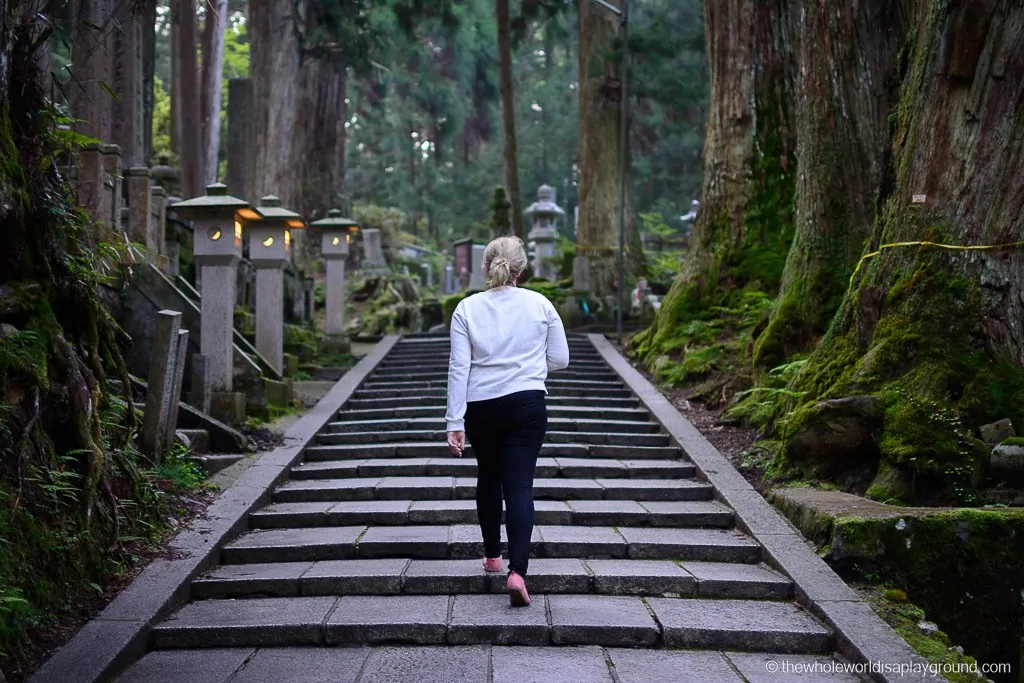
pixel 160 390
pixel 373 250
pixel 141 228
pixel 171 419
pixel 113 195
pixel 428 275
pixel 449 279
pixel 199 397
pixel 477 277
pixel 89 175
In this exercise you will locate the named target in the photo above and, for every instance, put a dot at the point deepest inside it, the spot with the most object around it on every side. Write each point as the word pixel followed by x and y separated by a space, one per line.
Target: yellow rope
pixel 955 247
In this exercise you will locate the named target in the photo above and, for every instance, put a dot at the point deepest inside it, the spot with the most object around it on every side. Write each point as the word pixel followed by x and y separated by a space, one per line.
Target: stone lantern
pixel 269 251
pixel 544 233
pixel 336 233
pixel 217 244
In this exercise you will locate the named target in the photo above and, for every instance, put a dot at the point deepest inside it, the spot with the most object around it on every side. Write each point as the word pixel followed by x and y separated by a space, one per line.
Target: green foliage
pixel 501 223
pixel 161 146
pixel 180 470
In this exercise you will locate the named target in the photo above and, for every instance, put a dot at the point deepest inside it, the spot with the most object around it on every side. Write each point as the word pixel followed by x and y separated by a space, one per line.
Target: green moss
pixel 1014 441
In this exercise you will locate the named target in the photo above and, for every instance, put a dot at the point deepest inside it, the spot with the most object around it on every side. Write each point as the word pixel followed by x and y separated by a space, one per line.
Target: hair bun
pixel 500 261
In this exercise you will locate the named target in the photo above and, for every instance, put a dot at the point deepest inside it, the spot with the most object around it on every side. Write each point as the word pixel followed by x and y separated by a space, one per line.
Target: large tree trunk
pixel 189 128
pixel 92 68
pixel 213 72
pixel 745 224
pixel 508 117
pixel 303 164
pixel 600 109
pixel 846 60
pixel 148 73
pixel 930 330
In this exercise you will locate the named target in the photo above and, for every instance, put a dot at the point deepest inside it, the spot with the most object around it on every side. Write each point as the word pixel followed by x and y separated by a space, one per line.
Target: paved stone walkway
pixel 372 544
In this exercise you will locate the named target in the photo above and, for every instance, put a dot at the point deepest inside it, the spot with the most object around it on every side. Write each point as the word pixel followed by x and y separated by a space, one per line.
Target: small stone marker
pixel 140 211
pixel 174 400
pixel 162 371
pixel 373 251
pixel 919 198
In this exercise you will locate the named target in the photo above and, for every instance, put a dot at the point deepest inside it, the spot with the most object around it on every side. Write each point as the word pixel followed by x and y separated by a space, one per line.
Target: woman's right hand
pixel 457 443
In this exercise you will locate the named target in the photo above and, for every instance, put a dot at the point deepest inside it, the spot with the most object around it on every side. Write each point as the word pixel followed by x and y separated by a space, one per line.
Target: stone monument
pixel 544 234
pixel 336 232
pixel 217 228
pixel 373 252
pixel 477 277
pixel 269 251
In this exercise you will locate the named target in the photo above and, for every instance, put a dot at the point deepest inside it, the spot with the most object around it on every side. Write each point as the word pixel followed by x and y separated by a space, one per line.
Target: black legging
pixel 506 434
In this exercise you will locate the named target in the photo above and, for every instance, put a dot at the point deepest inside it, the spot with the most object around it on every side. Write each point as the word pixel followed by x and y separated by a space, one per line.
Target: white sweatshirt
pixel 504 340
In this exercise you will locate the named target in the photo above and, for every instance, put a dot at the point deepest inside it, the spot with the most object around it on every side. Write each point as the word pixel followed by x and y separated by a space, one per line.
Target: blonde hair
pixel 504 261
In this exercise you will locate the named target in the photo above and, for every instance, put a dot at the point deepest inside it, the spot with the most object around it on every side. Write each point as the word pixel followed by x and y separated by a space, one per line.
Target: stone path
pixel 640 574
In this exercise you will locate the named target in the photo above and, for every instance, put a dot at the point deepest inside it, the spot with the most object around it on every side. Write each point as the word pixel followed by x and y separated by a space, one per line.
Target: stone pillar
pixel 334 293
pixel 141 227
pixel 239 143
pixel 91 185
pixel 270 313
pixel 91 52
pixel 113 191
pixel 428 275
pixel 127 121
pixel 309 297
pixel 373 251
pixel 199 396
pixel 477 277
pixel 162 372
pixel 449 279
pixel 216 329
pixel 180 357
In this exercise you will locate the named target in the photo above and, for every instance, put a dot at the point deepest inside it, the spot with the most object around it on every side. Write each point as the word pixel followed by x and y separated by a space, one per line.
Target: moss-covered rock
pixel 961 565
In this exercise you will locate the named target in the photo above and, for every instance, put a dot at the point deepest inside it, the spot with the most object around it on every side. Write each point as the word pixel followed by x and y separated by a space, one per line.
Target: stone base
pixel 291 365
pixel 335 344
pixel 279 393
pixel 228 406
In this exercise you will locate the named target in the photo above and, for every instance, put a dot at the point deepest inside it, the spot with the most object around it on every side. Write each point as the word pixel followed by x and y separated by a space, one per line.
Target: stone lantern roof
pixel 545 204
pixel 215 199
pixel 270 210
pixel 334 219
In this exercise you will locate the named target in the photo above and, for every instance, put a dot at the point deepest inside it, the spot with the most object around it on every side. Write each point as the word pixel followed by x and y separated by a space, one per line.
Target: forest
pixel 851 288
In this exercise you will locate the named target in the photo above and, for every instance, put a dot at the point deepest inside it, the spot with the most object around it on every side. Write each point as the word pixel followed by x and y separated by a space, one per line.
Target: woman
pixel 504 343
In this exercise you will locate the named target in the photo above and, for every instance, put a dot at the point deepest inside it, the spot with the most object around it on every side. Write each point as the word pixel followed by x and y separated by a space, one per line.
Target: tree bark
pixel 148 71
pixel 931 329
pixel 600 109
pixel 508 121
pixel 213 72
pixel 847 61
pixel 91 68
pixel 190 151
pixel 744 227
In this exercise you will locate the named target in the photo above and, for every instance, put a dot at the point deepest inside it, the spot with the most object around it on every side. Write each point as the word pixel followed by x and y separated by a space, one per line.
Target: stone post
pixel 269 251
pixel 309 297
pixel 91 185
pixel 171 420
pixel 449 279
pixel 91 55
pixel 162 372
pixel 334 245
pixel 199 396
pixel 217 222
pixel 428 275
pixel 141 227
pixel 113 197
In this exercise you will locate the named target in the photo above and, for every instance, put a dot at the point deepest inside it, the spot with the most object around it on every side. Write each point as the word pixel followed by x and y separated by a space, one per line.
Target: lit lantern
pixel 270 239
pixel 217 224
pixel 335 234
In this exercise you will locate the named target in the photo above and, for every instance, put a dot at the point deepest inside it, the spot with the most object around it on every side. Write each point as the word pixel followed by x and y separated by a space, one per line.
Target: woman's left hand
pixel 457 442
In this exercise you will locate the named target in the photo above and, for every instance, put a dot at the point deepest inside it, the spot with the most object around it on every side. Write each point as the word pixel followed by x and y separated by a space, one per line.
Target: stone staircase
pixel 637 571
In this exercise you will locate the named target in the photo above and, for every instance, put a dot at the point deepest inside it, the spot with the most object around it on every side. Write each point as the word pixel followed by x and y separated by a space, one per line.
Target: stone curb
pixel 861 635
pixel 119 635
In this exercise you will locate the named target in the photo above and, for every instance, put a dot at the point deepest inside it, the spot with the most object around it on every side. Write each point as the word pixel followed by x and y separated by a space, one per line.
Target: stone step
pixel 397 409
pixel 554 391
pixel 695 513
pixel 440 450
pixel 440 435
pixel 422 371
pixel 213 463
pixel 436 422
pixel 464 488
pixel 553 385
pixel 603 408
pixel 593 362
pixel 547 468
pixel 444 577
pixel 463 541
pixel 441 355
pixel 472 664
pixel 197 441
pixel 611 621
